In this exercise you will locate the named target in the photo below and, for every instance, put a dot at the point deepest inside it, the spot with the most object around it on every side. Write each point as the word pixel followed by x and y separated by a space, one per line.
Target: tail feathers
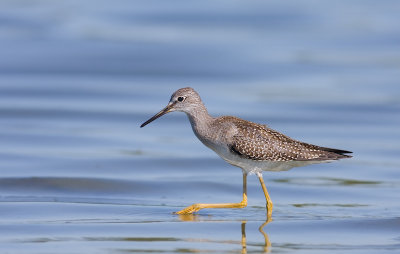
pixel 336 153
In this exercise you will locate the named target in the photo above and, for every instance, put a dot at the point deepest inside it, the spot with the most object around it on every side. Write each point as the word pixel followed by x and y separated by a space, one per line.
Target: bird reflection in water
pixel 267 243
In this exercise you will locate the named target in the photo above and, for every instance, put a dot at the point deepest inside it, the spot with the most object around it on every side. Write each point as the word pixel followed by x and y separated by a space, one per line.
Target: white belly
pixel 254 166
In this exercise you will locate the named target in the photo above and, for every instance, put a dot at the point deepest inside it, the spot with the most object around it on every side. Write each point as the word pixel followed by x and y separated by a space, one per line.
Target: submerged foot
pixel 190 209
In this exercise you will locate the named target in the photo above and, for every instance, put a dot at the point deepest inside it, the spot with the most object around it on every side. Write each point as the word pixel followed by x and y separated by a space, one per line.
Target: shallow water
pixel 77 79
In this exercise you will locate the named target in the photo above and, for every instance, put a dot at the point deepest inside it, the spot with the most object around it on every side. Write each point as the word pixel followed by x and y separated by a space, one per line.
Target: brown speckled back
pixel 258 142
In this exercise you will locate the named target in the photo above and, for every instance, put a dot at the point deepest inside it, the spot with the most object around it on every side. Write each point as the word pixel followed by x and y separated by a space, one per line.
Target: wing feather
pixel 258 142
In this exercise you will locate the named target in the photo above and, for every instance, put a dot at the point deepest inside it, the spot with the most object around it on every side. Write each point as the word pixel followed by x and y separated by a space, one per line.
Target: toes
pixel 188 210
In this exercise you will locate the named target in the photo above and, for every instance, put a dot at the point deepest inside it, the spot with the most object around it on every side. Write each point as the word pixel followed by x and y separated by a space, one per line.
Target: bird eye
pixel 180 98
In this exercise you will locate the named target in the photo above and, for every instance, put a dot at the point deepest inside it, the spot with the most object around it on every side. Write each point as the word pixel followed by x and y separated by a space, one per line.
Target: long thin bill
pixel 159 114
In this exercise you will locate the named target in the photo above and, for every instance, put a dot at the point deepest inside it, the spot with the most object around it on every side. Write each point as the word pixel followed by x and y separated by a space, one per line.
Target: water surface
pixel 77 79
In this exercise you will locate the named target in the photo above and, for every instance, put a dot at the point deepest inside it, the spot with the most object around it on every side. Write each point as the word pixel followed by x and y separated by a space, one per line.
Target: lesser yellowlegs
pixel 252 147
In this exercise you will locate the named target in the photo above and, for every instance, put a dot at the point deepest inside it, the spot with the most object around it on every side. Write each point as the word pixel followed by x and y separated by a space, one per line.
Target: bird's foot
pixel 190 209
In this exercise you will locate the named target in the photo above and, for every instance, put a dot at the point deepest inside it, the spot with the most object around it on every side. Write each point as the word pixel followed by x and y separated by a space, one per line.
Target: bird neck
pixel 200 121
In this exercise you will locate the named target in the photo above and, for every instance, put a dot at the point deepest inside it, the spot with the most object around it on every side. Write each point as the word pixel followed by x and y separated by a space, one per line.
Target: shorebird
pixel 250 146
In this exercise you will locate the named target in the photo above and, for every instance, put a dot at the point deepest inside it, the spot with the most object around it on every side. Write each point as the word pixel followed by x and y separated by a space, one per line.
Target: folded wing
pixel 260 143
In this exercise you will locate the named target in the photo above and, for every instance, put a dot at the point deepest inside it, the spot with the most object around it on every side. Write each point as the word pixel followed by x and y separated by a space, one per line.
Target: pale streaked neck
pixel 200 120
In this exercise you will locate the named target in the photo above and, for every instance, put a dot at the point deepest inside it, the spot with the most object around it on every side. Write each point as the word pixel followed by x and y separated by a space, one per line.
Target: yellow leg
pixel 268 199
pixel 196 207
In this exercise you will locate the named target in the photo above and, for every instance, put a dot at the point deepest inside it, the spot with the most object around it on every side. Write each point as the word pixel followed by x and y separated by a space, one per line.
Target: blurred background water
pixel 77 78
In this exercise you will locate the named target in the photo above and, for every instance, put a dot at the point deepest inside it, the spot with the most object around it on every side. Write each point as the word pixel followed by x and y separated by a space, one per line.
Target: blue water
pixel 77 78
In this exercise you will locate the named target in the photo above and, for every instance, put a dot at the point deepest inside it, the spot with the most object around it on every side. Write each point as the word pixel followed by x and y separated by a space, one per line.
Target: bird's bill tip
pixel 164 111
